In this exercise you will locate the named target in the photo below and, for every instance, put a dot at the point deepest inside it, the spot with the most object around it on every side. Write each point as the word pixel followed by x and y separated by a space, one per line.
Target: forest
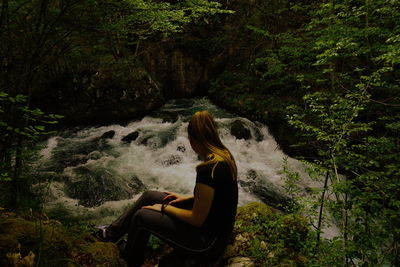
pixel 324 76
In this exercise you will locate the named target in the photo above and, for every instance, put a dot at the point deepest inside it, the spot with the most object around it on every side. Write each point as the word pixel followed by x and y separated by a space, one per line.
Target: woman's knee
pixel 143 217
pixel 149 194
pixel 151 197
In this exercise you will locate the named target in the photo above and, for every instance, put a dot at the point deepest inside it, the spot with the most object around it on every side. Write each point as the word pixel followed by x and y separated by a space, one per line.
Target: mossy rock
pixel 23 237
pixel 240 131
pixel 102 254
pixel 94 186
pixel 108 135
pixel 268 237
pixel 26 240
pixel 130 137
pixel 68 154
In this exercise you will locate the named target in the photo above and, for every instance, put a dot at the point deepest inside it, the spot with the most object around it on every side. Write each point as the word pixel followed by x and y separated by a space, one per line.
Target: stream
pixel 95 172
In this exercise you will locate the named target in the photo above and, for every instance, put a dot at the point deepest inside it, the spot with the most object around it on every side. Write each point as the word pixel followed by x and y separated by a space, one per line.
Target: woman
pixel 198 224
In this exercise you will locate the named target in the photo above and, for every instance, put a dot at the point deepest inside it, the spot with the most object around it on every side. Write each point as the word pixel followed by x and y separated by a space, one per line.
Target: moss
pixel 101 253
pixel 269 237
pixel 19 235
pixel 48 243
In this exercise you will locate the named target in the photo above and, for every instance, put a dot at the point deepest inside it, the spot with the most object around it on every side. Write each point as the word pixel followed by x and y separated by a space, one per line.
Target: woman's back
pixel 222 213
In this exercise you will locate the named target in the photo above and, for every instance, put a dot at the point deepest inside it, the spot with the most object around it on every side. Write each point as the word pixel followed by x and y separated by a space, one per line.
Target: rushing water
pixel 96 171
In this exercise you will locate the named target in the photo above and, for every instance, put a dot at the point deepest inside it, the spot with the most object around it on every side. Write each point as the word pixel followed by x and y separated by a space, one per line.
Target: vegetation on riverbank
pixel 322 75
pixel 262 236
pixel 330 85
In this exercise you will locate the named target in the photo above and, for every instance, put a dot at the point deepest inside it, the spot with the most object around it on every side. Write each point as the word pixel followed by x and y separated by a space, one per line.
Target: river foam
pixel 160 158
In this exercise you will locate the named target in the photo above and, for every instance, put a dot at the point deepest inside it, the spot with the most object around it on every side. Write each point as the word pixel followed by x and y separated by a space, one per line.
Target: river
pixel 94 172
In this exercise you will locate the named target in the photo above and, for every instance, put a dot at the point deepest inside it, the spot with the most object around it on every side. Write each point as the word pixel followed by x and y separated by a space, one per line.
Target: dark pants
pixel 140 223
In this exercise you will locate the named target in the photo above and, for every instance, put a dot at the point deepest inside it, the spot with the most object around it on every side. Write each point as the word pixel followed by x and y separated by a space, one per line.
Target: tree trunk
pixel 321 208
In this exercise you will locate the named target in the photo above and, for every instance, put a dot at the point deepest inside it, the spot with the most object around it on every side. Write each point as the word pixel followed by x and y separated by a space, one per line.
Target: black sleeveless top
pixel 221 218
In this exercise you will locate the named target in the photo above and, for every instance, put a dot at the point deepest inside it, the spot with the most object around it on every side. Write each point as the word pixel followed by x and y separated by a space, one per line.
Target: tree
pixel 44 39
pixel 352 121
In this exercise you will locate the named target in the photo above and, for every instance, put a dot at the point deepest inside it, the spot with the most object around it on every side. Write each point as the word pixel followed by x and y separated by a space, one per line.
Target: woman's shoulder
pixel 215 168
pixel 221 166
pixel 214 163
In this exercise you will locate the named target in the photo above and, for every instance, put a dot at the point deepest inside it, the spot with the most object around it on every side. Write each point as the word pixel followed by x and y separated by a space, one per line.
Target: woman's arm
pixel 204 195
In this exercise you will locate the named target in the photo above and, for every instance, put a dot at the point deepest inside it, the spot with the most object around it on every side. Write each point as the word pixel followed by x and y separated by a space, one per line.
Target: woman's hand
pixel 175 198
pixel 156 207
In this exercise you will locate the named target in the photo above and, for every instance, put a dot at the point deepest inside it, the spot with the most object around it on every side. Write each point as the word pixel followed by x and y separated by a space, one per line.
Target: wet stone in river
pixel 181 148
pixel 93 187
pixel 108 135
pixel 266 191
pixel 172 160
pixel 130 137
pixel 240 131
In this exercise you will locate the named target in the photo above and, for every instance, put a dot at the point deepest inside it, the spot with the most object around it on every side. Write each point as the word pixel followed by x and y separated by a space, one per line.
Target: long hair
pixel 203 130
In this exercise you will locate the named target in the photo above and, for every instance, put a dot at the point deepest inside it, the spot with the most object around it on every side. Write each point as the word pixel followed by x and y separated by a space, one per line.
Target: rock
pixel 257 133
pixel 159 138
pixel 266 191
pixel 240 262
pixel 104 252
pixel 130 137
pixel 18 237
pixel 95 155
pixel 171 118
pixel 172 160
pixel 137 185
pixel 240 131
pixel 181 148
pixel 68 154
pixel 16 259
pixel 182 73
pixel 95 186
pixel 108 135
pixel 120 90
pixel 177 258
pixel 262 236
pixel 20 240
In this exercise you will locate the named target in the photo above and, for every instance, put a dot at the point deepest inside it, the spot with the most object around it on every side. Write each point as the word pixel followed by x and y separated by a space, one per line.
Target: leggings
pixel 140 223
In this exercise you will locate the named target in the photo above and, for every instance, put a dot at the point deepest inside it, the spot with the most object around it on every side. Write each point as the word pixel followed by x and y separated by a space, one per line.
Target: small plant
pixel 270 238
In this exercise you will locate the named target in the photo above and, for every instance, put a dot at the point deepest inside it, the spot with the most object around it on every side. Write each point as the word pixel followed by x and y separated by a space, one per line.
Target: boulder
pixel 137 185
pixel 70 154
pixel 130 137
pixel 172 160
pixel 93 187
pixel 35 240
pixel 240 131
pixel 265 236
pixel 240 262
pixel 108 135
pixel 181 73
pixel 181 148
pixel 266 191
pixel 115 91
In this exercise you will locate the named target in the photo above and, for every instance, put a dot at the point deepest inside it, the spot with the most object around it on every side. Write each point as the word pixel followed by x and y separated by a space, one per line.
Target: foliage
pixel 356 149
pixel 270 238
pixel 45 41
pixel 333 68
pixel 19 125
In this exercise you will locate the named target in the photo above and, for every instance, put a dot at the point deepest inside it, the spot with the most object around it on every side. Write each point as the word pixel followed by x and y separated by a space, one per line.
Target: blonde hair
pixel 203 130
